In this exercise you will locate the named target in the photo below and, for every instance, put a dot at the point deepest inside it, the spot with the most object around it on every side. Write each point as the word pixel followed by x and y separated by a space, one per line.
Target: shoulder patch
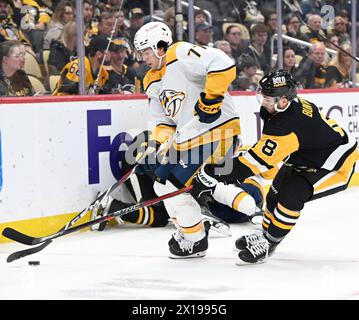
pixel 151 77
pixel 171 55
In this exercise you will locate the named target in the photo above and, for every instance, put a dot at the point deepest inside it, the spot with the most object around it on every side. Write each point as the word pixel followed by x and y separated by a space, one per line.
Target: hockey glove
pixel 208 110
pixel 147 158
pixel 204 182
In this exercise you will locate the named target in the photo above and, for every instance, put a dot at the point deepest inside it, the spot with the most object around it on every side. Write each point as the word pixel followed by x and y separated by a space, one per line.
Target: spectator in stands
pixel 340 30
pixel 144 5
pixel 233 35
pixel 122 27
pixel 289 60
pixel 106 23
pixel 91 24
pixel 291 6
pixel 63 13
pixel 200 17
pixel 225 47
pixel 338 70
pixel 252 14
pixel 203 34
pixel 311 73
pixel 121 77
pixel 33 18
pixel 136 17
pixel 315 27
pixel 292 26
pixel 64 49
pixel 88 10
pixel 169 18
pixel 333 40
pixel 13 80
pixel 35 15
pixel 9 29
pixel 330 44
pixel 345 15
pixel 270 20
pixel 247 76
pixel 96 74
pixel 257 49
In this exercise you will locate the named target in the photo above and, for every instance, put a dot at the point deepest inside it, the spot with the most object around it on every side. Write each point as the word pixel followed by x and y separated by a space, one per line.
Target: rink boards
pixel 57 153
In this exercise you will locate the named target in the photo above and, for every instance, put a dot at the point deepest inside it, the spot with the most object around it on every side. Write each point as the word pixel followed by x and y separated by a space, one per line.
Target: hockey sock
pixel 194 233
pixel 282 221
pixel 267 218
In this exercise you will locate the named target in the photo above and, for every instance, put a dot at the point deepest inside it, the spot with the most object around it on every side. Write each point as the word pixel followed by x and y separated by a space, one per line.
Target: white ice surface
pixel 319 259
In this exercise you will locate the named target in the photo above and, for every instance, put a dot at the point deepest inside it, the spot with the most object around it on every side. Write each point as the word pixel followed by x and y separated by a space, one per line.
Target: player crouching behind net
pixel 318 160
pixel 140 186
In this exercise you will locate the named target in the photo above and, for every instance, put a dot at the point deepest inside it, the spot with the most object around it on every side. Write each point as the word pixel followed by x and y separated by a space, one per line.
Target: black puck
pixel 34 263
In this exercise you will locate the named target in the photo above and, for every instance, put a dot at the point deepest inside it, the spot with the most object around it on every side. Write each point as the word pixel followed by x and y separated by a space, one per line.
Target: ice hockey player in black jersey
pixel 318 160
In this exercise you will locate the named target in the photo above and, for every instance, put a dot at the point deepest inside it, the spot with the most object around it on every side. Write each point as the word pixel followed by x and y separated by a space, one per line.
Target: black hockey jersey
pixel 300 136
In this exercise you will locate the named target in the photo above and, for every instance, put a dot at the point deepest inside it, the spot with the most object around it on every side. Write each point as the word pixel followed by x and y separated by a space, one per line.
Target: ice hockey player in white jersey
pixel 187 84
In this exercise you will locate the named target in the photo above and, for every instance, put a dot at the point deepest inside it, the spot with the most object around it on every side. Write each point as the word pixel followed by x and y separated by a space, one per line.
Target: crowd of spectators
pixel 46 29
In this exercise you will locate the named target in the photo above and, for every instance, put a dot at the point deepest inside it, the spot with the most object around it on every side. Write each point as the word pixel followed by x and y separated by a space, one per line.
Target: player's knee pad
pixel 182 204
pixel 255 193
pixel 295 193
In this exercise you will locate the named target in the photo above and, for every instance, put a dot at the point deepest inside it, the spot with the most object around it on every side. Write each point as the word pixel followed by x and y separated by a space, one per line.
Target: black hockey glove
pixel 204 182
pixel 208 110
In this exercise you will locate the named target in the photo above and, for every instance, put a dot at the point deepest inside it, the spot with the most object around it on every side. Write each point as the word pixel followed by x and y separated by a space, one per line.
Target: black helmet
pixel 278 83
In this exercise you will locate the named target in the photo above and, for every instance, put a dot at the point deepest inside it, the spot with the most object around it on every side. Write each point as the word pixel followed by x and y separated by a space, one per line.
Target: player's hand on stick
pixel 147 158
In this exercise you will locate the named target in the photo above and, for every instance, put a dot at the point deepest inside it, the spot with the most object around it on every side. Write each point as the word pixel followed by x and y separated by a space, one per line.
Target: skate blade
pixel 194 255
pixel 222 230
pixel 241 263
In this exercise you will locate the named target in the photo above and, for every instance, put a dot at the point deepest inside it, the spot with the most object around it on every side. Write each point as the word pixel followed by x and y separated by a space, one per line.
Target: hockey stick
pixel 17 236
pixel 26 252
pixel 23 253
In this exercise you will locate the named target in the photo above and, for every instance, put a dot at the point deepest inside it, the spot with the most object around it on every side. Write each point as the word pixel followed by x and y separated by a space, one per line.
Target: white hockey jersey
pixel 174 90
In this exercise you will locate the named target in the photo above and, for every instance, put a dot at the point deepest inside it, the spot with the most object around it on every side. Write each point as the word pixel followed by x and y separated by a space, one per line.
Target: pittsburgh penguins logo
pixel 171 101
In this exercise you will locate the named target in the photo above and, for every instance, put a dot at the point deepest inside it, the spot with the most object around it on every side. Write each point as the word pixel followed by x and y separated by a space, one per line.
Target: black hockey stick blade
pixel 23 253
pixel 12 234
pixel 25 239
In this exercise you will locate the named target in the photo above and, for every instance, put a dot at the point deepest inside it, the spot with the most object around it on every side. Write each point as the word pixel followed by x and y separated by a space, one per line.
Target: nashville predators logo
pixel 171 101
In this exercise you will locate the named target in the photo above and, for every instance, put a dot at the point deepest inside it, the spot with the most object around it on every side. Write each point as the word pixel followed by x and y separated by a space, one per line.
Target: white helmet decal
pixel 150 34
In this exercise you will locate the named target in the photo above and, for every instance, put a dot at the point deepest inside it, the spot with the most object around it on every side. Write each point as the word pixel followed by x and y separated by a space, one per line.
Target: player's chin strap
pixel 159 65
pixel 276 104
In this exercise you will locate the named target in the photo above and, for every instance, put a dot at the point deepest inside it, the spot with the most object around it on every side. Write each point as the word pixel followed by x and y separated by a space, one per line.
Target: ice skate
pixel 248 240
pixel 256 251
